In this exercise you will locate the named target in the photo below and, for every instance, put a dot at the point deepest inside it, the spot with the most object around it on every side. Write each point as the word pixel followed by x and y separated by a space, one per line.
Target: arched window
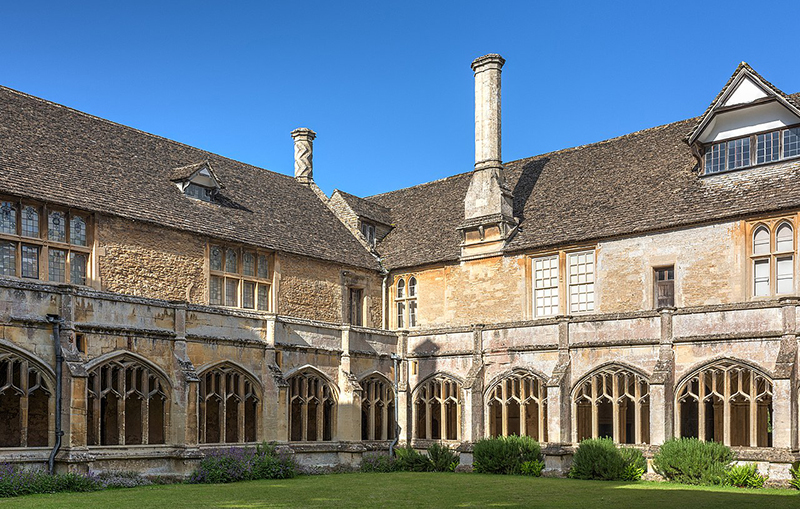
pixel 726 402
pixel 25 400
pixel 126 404
pixel 406 303
pixel 377 409
pixel 437 409
pixel 518 406
pixel 773 261
pixel 312 408
pixel 229 406
pixel 613 402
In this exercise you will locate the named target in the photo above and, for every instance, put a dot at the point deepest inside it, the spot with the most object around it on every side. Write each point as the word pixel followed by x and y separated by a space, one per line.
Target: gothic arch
pixel 726 400
pixel 437 405
pixel 377 407
pixel 127 400
pixel 312 405
pixel 230 399
pixel 27 399
pixel 516 404
pixel 612 400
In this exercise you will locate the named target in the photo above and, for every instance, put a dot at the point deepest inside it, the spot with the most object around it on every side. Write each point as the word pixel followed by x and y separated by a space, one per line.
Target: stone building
pixel 158 301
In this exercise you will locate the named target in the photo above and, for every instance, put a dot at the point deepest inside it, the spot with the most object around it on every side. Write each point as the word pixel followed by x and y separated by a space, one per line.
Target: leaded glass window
pixel 30 261
pixel 738 153
pixel 216 258
pixel 238 278
pixel 77 231
pixel 231 261
pixel 715 158
pixel 791 142
pixel 8 258
pixel 77 268
pixel 57 265
pixel 8 218
pixel 768 147
pixel 56 227
pixel 30 222
pixel 249 264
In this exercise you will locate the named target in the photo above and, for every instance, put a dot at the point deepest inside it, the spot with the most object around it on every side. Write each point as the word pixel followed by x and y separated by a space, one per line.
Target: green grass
pixel 418 490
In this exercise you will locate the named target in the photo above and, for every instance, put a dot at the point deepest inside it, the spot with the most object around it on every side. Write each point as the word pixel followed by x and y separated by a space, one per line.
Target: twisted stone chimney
pixel 303 154
pixel 488 205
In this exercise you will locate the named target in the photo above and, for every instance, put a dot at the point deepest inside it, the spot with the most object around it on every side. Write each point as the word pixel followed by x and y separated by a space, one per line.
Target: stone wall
pixel 139 259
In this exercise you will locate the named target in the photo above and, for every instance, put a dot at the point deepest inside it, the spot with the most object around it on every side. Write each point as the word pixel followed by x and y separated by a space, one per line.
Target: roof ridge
pixel 552 152
pixel 140 131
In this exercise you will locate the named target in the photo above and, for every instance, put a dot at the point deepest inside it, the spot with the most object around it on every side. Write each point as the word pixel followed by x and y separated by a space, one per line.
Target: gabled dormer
pixel 750 123
pixel 197 181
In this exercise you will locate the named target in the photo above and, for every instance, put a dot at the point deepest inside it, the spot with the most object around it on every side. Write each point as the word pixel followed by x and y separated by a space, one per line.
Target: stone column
pixel 272 426
pixel 403 397
pixel 348 414
pixel 472 408
pixel 487 110
pixel 559 403
pixel 784 390
pixel 184 410
pixel 303 154
pixel 661 384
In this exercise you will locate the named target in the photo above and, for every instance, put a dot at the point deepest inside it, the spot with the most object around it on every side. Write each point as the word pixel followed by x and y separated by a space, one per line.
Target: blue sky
pixel 387 85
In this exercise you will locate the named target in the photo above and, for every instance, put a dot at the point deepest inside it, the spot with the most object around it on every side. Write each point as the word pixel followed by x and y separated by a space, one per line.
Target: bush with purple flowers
pixel 244 464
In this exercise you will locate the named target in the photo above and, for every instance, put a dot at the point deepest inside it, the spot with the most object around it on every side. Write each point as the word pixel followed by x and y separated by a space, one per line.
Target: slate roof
pixel 367 209
pixel 59 155
pixel 640 182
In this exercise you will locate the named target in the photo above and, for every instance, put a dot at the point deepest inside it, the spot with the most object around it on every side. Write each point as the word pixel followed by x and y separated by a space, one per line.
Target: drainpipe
pixel 397 427
pixel 56 321
pixel 384 322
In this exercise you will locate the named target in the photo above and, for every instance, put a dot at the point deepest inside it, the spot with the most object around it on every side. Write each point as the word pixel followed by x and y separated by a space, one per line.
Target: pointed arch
pixel 726 400
pixel 377 407
pixel 437 402
pixel 312 405
pixel 127 400
pixel 230 399
pixel 516 404
pixel 27 399
pixel 612 400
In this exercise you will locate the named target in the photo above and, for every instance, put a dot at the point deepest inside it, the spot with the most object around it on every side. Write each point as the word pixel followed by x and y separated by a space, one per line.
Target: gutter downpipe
pixel 56 321
pixel 397 427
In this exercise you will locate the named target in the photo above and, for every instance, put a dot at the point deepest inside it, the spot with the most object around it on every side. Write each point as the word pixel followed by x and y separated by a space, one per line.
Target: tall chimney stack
pixel 487 110
pixel 303 154
pixel 488 205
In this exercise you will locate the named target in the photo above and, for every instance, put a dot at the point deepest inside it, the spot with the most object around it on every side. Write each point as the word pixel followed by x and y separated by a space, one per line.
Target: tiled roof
pixel 60 155
pixel 640 182
pixel 367 209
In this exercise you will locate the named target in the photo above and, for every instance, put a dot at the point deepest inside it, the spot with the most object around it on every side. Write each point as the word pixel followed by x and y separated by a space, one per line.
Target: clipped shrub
pixel 442 458
pixel 121 479
pixel 532 468
pixel 794 471
pixel 505 455
pixel 410 460
pixel 744 476
pixel 378 463
pixel 243 464
pixel 597 458
pixel 691 461
pixel 635 464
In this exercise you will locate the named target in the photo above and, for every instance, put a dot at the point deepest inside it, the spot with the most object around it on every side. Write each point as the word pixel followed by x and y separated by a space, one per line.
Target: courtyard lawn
pixel 417 490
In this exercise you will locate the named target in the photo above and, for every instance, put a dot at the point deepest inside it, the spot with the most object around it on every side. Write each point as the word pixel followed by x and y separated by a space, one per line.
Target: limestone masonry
pixel 164 301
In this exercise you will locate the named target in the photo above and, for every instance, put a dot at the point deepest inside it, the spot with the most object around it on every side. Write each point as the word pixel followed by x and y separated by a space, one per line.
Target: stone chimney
pixel 488 205
pixel 303 153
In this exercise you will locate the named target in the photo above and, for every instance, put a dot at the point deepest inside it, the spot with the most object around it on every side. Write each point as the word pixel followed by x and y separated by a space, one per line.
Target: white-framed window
pixel 545 286
pixel 580 281
pixel 772 258
pixel 368 230
pixel 738 153
pixel 238 277
pixel 405 298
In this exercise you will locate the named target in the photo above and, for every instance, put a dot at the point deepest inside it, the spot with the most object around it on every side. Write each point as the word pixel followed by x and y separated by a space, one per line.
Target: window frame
pixel 239 276
pixel 44 244
pixel 754 149
pixel 771 257
pixel 564 285
pixel 368 228
pixel 657 283
pixel 406 301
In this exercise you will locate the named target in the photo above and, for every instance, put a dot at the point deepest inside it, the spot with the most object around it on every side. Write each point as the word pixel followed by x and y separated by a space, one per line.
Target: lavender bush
pixel 243 464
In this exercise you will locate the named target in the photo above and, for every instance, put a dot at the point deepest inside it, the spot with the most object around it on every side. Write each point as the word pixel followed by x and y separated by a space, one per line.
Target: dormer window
pixel 197 181
pixel 769 147
pixel 368 230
